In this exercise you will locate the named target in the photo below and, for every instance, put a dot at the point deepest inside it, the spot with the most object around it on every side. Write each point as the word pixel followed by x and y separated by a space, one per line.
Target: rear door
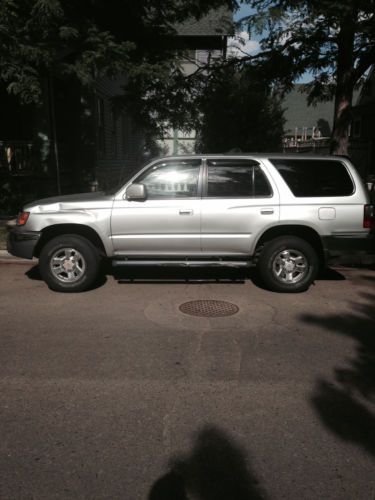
pixel 239 202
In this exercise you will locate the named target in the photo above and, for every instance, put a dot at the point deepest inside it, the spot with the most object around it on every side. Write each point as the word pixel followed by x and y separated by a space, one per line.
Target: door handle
pixel 186 211
pixel 267 211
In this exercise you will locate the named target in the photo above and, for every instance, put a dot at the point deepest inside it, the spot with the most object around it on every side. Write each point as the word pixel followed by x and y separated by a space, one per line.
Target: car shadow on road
pixel 345 402
pixel 168 275
pixel 330 274
pixel 34 274
pixel 216 469
pixel 179 275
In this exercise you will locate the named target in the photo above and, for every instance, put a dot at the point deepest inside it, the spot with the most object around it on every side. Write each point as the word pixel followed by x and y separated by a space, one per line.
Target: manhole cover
pixel 209 308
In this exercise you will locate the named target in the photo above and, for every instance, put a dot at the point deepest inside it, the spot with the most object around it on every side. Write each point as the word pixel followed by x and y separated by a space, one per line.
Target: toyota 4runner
pixel 285 214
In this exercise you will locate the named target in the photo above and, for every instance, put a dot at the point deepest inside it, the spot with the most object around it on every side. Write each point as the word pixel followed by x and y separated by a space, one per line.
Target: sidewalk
pixel 6 258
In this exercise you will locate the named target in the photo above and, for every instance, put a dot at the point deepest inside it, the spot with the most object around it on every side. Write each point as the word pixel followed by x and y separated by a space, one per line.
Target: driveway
pixel 116 393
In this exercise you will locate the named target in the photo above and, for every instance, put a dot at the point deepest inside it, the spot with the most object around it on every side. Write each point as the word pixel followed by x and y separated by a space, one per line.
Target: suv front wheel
pixel 69 263
pixel 288 264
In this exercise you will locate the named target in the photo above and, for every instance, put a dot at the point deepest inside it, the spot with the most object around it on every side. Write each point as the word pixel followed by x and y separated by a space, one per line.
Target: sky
pixel 243 11
pixel 242 44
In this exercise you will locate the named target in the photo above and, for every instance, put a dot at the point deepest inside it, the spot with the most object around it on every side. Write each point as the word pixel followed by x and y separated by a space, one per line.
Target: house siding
pixel 119 150
pixel 362 136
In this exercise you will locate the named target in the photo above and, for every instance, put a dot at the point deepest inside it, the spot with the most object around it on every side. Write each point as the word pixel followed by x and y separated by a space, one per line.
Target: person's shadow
pixel 216 469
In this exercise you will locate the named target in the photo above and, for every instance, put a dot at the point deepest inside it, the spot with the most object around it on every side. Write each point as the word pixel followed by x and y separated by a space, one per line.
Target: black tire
pixel 288 264
pixel 69 263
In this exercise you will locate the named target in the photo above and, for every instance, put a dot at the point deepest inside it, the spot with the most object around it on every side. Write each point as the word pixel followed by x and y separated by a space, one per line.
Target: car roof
pixel 255 155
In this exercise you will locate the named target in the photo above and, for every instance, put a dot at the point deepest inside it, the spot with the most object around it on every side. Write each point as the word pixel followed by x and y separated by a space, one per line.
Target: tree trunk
pixel 342 119
pixel 344 86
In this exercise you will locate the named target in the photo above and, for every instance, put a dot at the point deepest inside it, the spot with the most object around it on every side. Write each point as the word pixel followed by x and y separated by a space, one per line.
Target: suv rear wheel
pixel 69 263
pixel 288 264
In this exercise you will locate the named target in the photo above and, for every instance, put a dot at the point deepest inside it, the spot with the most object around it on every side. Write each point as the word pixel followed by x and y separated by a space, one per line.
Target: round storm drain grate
pixel 209 308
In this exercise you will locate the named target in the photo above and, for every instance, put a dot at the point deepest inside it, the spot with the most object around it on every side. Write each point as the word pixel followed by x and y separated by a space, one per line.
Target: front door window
pixel 171 180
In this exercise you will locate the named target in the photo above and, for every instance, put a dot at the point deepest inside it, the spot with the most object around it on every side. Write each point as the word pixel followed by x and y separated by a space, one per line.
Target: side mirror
pixel 136 192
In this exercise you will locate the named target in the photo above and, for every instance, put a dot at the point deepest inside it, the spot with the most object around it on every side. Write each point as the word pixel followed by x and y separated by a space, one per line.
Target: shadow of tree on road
pixel 345 404
pixel 216 469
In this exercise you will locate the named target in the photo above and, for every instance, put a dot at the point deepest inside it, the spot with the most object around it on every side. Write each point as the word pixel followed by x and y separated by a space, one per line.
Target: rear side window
pixel 310 178
pixel 236 179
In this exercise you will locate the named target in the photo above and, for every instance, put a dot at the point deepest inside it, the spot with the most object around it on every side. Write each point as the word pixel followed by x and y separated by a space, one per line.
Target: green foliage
pixel 227 107
pixel 333 40
pixel 240 112
pixel 85 38
pixel 305 35
pixel 160 95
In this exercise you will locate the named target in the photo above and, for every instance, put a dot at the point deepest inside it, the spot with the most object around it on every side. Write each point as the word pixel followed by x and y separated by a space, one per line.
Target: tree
pixel 240 112
pixel 333 39
pixel 228 108
pixel 85 39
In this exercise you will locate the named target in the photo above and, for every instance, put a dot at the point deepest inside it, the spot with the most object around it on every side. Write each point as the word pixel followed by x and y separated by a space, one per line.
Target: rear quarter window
pixel 315 178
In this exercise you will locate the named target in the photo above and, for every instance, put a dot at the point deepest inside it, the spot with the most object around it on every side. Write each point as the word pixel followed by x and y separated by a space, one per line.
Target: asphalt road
pixel 116 394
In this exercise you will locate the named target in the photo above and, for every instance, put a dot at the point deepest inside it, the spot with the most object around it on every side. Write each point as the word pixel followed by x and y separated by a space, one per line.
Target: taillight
pixel 369 216
pixel 22 218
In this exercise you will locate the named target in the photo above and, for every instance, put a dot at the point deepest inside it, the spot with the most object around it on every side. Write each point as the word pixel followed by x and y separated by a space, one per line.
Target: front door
pixel 168 221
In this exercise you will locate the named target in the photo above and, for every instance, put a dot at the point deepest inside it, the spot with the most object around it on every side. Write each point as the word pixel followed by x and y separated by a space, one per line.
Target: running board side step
pixel 181 263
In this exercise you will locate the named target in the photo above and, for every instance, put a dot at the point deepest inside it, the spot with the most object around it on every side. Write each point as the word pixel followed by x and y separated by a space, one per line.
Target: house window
pixel 188 56
pixel 100 126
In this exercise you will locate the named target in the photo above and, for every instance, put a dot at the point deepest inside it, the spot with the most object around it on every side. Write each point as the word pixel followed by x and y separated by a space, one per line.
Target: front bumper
pixel 22 243
pixel 349 249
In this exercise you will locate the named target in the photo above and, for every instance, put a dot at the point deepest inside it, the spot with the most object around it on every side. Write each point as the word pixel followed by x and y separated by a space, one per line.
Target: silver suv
pixel 287 215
